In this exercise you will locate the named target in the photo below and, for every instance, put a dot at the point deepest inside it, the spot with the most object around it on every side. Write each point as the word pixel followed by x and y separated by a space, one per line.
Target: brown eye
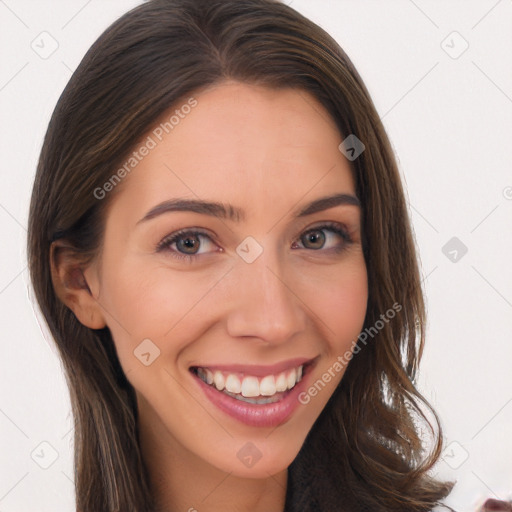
pixel 325 235
pixel 314 239
pixel 188 244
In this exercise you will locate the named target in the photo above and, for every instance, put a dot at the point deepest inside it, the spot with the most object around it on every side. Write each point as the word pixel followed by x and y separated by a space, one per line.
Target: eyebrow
pixel 229 212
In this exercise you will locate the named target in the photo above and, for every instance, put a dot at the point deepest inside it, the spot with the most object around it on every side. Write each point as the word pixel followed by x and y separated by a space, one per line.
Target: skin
pixel 269 152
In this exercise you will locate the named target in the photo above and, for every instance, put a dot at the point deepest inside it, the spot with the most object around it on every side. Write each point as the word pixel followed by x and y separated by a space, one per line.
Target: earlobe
pixel 71 286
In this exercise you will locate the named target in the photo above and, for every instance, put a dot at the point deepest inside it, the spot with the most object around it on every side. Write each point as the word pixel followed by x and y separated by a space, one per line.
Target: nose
pixel 264 305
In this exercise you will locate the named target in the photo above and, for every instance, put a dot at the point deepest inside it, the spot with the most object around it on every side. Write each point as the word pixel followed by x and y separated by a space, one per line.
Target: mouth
pixel 258 396
pixel 253 389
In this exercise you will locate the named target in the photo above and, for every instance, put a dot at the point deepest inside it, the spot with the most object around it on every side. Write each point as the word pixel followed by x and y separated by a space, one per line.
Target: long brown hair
pixel 367 440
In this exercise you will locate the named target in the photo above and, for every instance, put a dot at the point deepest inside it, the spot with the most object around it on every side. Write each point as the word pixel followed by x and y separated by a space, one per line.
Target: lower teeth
pixel 263 400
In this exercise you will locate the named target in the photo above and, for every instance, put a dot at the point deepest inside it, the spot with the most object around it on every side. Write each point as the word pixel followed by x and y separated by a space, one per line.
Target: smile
pixel 249 388
pixel 259 396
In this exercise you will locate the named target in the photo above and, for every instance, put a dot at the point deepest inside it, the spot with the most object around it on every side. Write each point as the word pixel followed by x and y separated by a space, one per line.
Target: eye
pixel 316 238
pixel 186 244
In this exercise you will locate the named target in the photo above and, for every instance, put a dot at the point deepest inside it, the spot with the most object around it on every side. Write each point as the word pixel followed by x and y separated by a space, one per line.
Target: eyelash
pixel 334 227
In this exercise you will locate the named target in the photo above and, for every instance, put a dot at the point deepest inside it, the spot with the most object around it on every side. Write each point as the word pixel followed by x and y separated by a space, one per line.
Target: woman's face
pixel 250 294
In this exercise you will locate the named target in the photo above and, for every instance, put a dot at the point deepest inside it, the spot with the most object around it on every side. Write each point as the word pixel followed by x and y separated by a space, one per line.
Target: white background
pixel 450 123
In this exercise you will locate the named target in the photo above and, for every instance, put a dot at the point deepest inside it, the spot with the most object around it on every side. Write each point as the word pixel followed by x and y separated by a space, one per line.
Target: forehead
pixel 242 144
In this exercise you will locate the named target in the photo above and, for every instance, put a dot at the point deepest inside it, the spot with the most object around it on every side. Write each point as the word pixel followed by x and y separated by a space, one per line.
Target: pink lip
pixel 254 415
pixel 258 370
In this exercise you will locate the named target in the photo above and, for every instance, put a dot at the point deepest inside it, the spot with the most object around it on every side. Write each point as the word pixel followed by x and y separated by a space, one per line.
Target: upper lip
pixel 258 370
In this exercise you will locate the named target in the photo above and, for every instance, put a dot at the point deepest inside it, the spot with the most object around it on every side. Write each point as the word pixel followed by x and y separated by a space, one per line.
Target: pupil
pixel 315 237
pixel 189 244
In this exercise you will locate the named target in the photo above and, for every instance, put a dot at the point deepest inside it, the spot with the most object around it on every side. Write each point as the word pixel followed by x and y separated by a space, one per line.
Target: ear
pixel 71 286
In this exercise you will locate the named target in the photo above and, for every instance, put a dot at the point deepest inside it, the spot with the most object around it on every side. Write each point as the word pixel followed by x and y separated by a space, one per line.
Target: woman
pixel 219 242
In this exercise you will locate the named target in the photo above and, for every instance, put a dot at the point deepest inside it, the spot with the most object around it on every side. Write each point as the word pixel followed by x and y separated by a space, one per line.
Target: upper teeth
pixel 250 386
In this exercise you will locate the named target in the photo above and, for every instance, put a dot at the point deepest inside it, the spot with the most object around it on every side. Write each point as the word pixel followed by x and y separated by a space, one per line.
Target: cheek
pixel 351 304
pixel 341 302
pixel 148 299
pixel 342 308
pixel 152 302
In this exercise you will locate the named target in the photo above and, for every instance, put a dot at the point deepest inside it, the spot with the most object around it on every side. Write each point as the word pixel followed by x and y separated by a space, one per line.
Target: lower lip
pixel 256 415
